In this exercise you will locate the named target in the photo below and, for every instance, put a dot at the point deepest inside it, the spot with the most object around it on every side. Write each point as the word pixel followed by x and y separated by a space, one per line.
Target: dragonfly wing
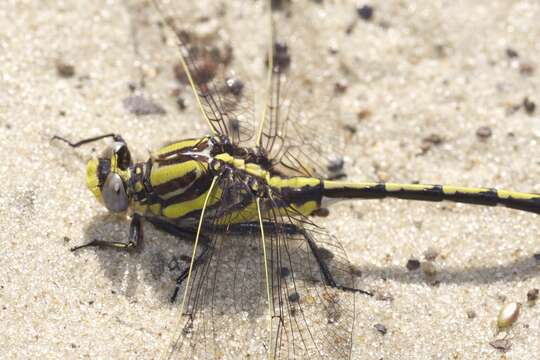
pixel 227 314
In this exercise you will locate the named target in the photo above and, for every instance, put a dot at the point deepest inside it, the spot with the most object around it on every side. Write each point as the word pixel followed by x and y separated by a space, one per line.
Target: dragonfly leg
pixel 183 276
pixel 291 229
pixel 327 274
pixel 134 239
pixel 115 137
pixel 185 233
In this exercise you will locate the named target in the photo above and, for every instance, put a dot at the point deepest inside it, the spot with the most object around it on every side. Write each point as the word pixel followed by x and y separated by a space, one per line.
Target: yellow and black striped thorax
pixel 175 181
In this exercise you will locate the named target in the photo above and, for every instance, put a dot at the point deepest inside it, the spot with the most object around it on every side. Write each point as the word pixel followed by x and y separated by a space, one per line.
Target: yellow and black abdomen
pixel 481 196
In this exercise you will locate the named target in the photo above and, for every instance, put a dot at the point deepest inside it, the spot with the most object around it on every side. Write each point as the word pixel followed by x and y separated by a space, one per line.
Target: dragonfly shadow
pixel 160 258
pixel 155 261
pixel 522 269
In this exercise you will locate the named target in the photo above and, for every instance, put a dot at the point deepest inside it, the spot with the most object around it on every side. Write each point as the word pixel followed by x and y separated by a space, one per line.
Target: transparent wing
pixel 231 100
pixel 203 65
pixel 226 315
pixel 290 137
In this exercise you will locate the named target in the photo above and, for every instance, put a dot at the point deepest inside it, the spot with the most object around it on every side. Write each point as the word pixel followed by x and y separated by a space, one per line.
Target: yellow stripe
pixel 163 174
pixel 182 208
pixel 179 146
pixel 451 190
pixel 505 194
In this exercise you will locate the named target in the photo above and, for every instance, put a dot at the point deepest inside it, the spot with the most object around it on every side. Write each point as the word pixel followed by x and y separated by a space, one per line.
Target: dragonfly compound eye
pixel 114 193
pixel 124 156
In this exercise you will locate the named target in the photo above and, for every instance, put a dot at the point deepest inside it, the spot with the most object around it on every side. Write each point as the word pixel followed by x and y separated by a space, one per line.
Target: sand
pixel 414 86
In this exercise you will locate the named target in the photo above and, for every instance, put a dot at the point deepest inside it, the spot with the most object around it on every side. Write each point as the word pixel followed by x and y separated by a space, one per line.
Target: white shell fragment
pixel 508 315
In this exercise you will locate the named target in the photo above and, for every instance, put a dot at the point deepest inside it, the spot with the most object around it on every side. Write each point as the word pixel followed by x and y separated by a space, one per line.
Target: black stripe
pixel 376 192
pixel 302 195
pixel 199 187
pixel 175 184
pixel 487 198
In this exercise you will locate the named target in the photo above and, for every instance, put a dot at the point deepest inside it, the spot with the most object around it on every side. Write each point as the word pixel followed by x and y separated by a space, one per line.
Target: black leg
pixel 291 229
pixel 174 230
pixel 134 239
pixel 183 276
pixel 328 277
pixel 185 233
pixel 116 137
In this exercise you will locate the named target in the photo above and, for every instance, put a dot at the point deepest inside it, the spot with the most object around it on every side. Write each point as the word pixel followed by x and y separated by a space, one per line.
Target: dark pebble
pixel 484 132
pixel 532 295
pixel 529 106
pixel 65 70
pixel 413 264
pixel 294 297
pixel 181 102
pixel 365 12
pixel 381 328
pixel 511 53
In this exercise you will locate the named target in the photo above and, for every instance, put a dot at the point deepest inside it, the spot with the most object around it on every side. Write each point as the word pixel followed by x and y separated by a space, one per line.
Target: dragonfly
pixel 248 201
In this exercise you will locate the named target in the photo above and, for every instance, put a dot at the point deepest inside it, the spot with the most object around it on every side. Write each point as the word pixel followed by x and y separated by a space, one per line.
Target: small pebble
pixel 511 53
pixel 365 12
pixel 234 86
pixel 501 344
pixel 532 295
pixel 484 132
pixel 508 315
pixel 340 87
pixel 526 69
pixel 384 296
pixel 350 128
pixel 335 164
pixel 65 70
pixel 413 264
pixel 363 114
pixel 434 139
pixel 431 254
pixel 429 141
pixel 381 328
pixel 471 314
pixel 181 103
pixel 140 105
pixel 529 106
pixel 429 268
pixel 294 297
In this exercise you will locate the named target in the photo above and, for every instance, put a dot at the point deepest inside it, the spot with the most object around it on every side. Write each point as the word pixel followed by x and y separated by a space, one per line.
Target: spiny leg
pixel 328 277
pixel 135 238
pixel 187 233
pixel 115 137
pixel 292 229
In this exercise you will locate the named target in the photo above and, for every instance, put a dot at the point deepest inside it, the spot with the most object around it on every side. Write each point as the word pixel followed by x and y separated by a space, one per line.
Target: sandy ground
pixel 415 83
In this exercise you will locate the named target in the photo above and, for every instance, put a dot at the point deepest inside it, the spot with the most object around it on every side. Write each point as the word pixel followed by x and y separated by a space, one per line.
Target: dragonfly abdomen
pixel 481 196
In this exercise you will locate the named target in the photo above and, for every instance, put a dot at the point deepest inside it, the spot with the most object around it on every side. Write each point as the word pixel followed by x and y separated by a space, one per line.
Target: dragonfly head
pixel 107 176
